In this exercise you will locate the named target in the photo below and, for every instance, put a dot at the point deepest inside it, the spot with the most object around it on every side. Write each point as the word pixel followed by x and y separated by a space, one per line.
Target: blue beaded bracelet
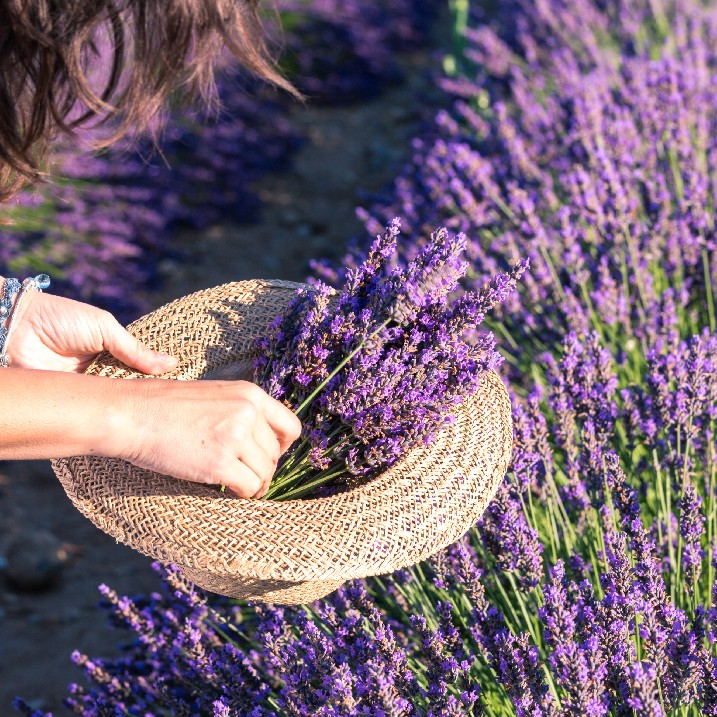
pixel 8 308
pixel 11 287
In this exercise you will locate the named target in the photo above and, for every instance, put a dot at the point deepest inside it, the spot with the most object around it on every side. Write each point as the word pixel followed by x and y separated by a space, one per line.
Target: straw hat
pixel 293 551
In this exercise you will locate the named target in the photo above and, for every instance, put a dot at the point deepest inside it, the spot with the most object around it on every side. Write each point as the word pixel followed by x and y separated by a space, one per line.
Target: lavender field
pixel 104 225
pixel 581 136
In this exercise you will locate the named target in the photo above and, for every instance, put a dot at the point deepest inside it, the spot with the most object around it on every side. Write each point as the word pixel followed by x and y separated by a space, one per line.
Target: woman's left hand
pixel 58 334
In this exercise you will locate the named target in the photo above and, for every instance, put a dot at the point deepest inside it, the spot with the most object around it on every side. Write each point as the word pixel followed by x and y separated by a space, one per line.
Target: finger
pixel 121 344
pixel 263 490
pixel 241 482
pixel 258 462
pixel 282 421
pixel 266 439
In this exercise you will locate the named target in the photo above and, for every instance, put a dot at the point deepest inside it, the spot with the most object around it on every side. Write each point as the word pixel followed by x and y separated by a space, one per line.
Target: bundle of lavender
pixel 377 368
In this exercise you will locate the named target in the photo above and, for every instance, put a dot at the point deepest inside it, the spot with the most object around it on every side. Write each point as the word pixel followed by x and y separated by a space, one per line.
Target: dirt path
pixel 309 210
pixel 309 213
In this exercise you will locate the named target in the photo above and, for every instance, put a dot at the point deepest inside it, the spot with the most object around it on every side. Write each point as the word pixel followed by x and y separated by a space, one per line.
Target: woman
pixel 64 63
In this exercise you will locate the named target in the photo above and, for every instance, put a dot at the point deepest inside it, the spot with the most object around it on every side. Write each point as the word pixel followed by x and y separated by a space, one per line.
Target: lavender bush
pixel 105 222
pixel 591 151
pixel 581 136
pixel 339 51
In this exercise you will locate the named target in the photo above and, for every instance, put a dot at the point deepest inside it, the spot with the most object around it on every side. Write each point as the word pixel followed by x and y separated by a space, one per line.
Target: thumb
pixel 122 345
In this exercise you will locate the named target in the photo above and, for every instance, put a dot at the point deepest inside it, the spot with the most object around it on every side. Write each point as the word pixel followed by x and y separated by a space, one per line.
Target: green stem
pixel 708 290
pixel 343 362
pixel 711 513
pixel 308 487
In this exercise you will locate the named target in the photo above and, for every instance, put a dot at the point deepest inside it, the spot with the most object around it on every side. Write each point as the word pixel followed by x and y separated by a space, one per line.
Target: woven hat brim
pixel 423 503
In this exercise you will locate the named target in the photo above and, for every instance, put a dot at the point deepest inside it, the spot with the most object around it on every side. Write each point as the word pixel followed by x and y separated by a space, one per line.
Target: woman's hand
pixel 218 432
pixel 58 334
pixel 228 432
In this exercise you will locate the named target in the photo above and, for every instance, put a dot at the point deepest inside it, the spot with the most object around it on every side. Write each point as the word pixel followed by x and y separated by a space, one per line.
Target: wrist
pixel 130 415
pixel 8 298
pixel 11 296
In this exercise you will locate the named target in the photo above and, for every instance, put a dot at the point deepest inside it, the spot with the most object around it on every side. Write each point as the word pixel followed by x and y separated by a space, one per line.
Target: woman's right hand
pixel 218 432
pixel 227 432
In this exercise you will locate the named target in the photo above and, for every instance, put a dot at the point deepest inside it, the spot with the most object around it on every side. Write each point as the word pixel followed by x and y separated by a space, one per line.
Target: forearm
pixel 228 432
pixel 52 414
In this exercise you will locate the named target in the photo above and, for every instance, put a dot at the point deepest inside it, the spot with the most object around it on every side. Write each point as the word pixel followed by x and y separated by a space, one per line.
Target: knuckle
pixel 216 472
pixel 249 390
pixel 269 471
pixel 270 445
pixel 246 411
pixel 295 427
pixel 107 319
pixel 238 431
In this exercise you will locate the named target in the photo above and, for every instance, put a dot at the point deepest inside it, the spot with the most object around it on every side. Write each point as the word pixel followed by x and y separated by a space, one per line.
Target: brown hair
pixel 50 50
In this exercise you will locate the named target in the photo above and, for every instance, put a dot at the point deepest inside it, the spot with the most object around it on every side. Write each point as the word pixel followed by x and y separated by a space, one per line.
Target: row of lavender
pixel 102 229
pixel 582 136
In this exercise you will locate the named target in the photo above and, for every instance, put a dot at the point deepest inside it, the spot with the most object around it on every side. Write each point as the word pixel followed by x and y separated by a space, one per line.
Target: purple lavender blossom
pixel 506 534
pixel 644 690
pixel 691 530
pixel 380 367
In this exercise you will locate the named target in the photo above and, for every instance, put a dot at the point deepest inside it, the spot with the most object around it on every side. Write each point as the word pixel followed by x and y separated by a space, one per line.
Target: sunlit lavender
pixel 591 151
pixel 381 366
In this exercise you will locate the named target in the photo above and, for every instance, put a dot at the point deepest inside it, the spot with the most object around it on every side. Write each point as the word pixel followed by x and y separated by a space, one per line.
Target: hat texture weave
pixel 293 551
